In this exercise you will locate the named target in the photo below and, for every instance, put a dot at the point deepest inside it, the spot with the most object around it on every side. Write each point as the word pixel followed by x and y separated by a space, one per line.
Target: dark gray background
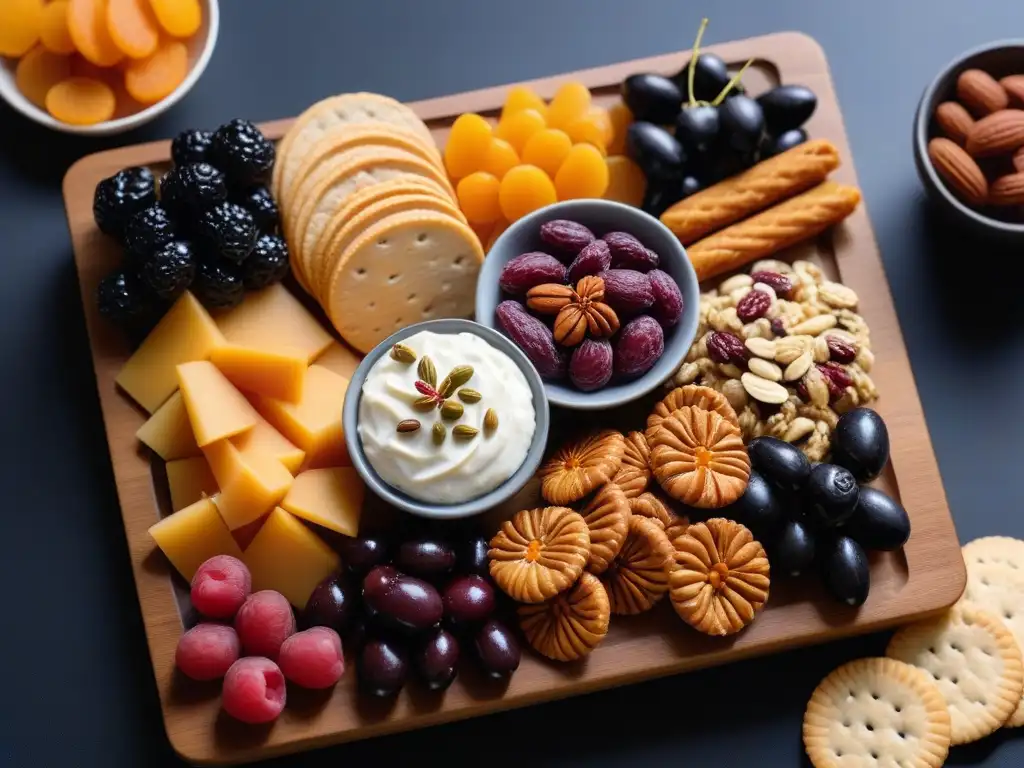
pixel 76 687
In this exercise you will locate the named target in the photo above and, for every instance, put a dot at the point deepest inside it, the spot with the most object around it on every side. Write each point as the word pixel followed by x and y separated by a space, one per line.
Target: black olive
pixel 653 98
pixel 793 551
pixel 757 508
pixel 742 123
pixel 878 522
pixel 830 495
pixel 655 150
pixel 787 107
pixel 697 128
pixel 782 464
pixel 861 443
pixel 710 76
pixel 845 571
pixel 660 194
pixel 688 186
pixel 776 145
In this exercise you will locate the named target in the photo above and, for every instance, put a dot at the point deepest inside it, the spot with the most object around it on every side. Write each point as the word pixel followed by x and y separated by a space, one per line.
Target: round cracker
pixel 1006 552
pixel 975 662
pixel 412 266
pixel 876 712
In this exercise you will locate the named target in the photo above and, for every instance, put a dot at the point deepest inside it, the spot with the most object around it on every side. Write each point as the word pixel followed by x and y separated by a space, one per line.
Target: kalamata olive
pixel 830 495
pixel 845 571
pixel 356 635
pixel 382 667
pixel 776 145
pixel 653 98
pixel 332 604
pixel 472 556
pixel 425 557
pixel 361 554
pixel 793 552
pixel 497 649
pixel 757 508
pixel 783 465
pixel 710 76
pixel 437 659
pixel 655 150
pixel 878 522
pixel 742 123
pixel 697 128
pixel 401 601
pixel 468 599
pixel 861 443
pixel 786 107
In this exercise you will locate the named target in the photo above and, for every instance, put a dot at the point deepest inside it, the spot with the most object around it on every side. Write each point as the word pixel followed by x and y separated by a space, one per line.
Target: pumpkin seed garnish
pixel 426 371
pixel 465 431
pixel 425 403
pixel 459 375
pixel 438 432
pixel 451 410
pixel 491 420
pixel 403 354
pixel 468 395
pixel 408 425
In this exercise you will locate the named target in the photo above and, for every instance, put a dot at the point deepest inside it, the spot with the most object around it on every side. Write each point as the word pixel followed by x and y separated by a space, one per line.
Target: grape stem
pixel 731 84
pixel 692 68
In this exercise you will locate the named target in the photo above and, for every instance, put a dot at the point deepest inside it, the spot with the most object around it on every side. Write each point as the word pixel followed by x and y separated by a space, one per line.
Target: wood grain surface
pixel 926 577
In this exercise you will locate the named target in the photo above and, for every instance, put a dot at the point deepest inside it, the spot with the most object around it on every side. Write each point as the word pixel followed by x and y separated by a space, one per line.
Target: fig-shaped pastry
pixel 580 467
pixel 539 553
pixel 652 507
pixel 639 576
pixel 634 474
pixel 571 625
pixel 699 458
pixel 607 517
pixel 721 578
pixel 705 398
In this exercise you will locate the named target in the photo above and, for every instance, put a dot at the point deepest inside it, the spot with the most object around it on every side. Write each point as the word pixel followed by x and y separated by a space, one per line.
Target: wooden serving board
pixel 927 576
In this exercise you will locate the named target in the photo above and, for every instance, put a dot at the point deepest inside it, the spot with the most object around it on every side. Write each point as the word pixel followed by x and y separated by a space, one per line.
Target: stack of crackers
pixel 945 681
pixel 375 233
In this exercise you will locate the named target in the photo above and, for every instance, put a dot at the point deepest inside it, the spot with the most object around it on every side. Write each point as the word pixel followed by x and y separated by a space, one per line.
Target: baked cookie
pixel 638 577
pixel 648 505
pixel 571 625
pixel 705 398
pixel 607 518
pixel 634 474
pixel 580 467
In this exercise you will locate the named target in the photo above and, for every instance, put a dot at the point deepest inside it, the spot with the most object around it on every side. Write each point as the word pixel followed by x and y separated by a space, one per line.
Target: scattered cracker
pixel 1006 552
pixel 875 712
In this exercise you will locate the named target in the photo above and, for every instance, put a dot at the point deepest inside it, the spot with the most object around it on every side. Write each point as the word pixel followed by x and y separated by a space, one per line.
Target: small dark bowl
pixel 1005 57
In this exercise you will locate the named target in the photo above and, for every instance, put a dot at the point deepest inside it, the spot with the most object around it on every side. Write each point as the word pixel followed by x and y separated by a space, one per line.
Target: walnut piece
pixel 580 467
pixel 572 624
pixel 639 576
pixel 607 518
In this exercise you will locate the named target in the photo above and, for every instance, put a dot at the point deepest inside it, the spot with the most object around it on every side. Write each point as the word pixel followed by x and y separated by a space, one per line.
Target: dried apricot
pixel 620 117
pixel 518 127
pixel 584 173
pixel 571 101
pixel 525 189
pixel 81 101
pixel 53 29
pixel 547 150
pixel 38 71
pixel 468 144
pixel 594 127
pixel 155 78
pixel 478 197
pixel 20 22
pixel 626 182
pixel 181 18
pixel 501 158
pixel 87 23
pixel 132 27
pixel 522 97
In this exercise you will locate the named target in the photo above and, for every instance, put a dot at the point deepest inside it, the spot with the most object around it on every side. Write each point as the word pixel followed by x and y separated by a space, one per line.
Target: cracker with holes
pixel 975 662
pixel 876 712
pixel 408 267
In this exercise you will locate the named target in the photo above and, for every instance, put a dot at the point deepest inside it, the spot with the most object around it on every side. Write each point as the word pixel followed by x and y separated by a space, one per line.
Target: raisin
pixel 753 306
pixel 566 237
pixel 724 347
pixel 836 377
pixel 668 300
pixel 630 253
pixel 627 291
pixel 530 269
pixel 595 257
pixel 639 345
pixel 778 328
pixel 801 390
pixel 590 367
pixel 780 283
pixel 840 350
pixel 533 337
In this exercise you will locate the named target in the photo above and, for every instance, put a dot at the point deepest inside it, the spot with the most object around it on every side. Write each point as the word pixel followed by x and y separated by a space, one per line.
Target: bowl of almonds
pixel 969 139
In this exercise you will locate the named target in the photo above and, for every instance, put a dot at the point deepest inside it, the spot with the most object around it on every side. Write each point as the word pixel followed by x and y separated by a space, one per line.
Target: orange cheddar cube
pixel 273 318
pixel 169 432
pixel 288 557
pixel 215 408
pixel 340 359
pixel 189 481
pixel 263 438
pixel 314 423
pixel 271 372
pixel 250 484
pixel 332 498
pixel 192 536
pixel 186 333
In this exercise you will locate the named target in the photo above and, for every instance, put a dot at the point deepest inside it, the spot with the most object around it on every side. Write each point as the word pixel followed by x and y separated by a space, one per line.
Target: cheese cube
pixel 192 536
pixel 341 359
pixel 168 431
pixel 290 558
pixel 314 423
pixel 215 408
pixel 274 319
pixel 186 333
pixel 274 373
pixel 189 481
pixel 263 438
pixel 330 497
pixel 250 484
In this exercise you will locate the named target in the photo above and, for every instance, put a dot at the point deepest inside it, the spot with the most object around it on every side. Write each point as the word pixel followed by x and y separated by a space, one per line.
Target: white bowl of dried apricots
pixel 101 67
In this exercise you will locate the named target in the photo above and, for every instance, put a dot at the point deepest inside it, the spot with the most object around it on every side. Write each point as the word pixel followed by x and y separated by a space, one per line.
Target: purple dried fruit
pixel 668 299
pixel 725 347
pixel 753 306
pixel 566 237
pixel 595 257
pixel 639 345
pixel 627 291
pixel 630 253
pixel 530 269
pixel 590 367
pixel 781 284
pixel 533 337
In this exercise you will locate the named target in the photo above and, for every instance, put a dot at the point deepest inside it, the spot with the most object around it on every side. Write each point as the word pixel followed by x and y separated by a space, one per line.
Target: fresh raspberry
pixel 313 659
pixel 254 690
pixel 206 651
pixel 264 622
pixel 220 586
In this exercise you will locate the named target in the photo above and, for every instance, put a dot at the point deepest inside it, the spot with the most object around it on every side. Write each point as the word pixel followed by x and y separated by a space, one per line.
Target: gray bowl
pixel 350 418
pixel 999 59
pixel 601 216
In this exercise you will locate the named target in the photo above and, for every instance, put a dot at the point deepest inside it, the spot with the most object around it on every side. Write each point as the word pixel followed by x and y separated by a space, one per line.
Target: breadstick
pixel 765 184
pixel 781 226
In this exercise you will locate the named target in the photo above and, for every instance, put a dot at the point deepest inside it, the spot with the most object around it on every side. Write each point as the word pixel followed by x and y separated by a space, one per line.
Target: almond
pixel 1007 190
pixel 980 93
pixel 954 121
pixel 1014 87
pixel 1018 160
pixel 1000 133
pixel 959 170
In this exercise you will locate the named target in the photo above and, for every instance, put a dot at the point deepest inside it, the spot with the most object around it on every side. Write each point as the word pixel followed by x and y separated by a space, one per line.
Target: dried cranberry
pixel 533 337
pixel 752 306
pixel 668 300
pixel 627 291
pixel 567 237
pixel 595 257
pixel 590 367
pixel 639 345
pixel 529 269
pixel 840 350
pixel 724 347
pixel 778 328
pixel 629 253
pixel 780 283
pixel 836 377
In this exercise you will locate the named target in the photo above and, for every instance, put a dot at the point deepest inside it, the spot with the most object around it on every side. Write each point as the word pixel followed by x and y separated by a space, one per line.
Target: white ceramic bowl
pixel 200 49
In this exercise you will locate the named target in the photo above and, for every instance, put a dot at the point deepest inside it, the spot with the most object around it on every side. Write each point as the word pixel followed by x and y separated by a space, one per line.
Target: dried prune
pixel 533 337
pixel 724 347
pixel 627 291
pixel 630 253
pixel 780 283
pixel 752 306
pixel 530 269
pixel 639 345
pixel 668 300
pixel 595 257
pixel 840 350
pixel 567 237
pixel 590 367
